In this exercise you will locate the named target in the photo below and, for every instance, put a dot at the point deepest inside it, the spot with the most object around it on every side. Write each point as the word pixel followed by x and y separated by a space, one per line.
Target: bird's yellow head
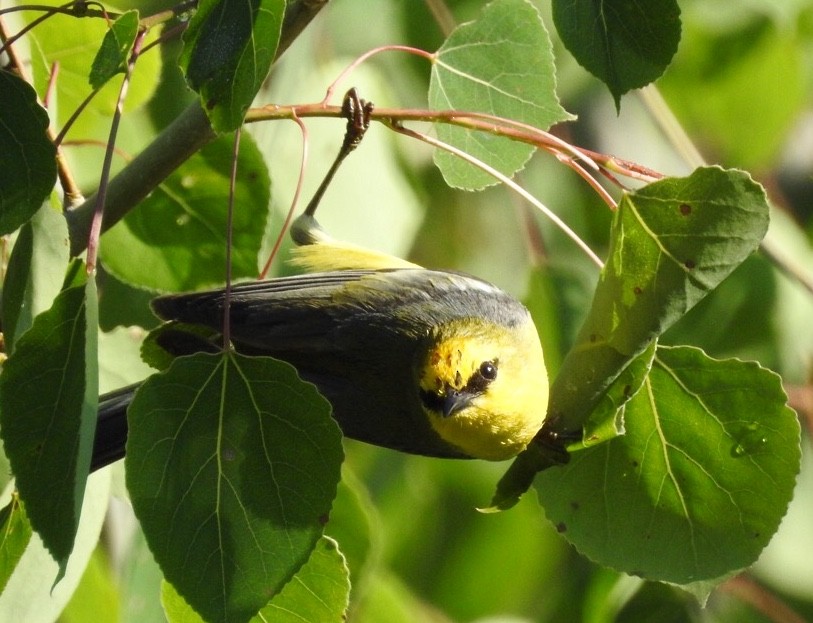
pixel 484 386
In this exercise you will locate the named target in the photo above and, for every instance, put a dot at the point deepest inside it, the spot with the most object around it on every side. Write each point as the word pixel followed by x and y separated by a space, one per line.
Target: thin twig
pixel 294 202
pixel 182 138
pixel 96 224
pixel 366 56
pixel 49 11
pixel 443 16
pixel 505 180
pixel 762 600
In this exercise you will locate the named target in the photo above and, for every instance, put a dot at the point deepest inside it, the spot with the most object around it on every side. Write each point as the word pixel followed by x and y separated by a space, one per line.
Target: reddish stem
pixel 98 213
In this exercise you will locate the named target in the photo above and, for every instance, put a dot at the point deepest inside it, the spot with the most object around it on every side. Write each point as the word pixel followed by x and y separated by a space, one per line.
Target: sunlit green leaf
pixel 34 274
pixel 318 592
pixel 27 156
pixel 16 533
pixel 179 232
pixel 697 485
pixel 232 464
pixel 626 45
pixel 501 64
pixel 31 594
pixel 48 396
pixel 672 242
pixel 354 525
pixel 228 50
pixel 112 56
pixel 72 44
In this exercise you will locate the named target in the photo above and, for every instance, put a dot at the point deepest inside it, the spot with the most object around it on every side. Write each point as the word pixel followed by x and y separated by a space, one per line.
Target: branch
pixel 186 135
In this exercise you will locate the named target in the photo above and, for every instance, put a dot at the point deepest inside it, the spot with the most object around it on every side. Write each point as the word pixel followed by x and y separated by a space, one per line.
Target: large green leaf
pixel 232 464
pixel 697 486
pixel 228 50
pixel 672 242
pixel 624 44
pixel 179 232
pixel 48 397
pixel 27 156
pixel 501 64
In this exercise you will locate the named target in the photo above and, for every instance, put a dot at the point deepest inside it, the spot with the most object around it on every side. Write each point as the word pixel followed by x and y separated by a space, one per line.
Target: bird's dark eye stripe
pixel 481 379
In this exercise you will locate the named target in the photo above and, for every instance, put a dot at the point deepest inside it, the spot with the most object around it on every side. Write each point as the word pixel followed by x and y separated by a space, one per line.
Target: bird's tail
pixel 111 427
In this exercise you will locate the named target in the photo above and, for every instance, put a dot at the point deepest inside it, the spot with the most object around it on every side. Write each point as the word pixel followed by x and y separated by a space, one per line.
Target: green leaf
pixel 38 259
pixel 72 44
pixel 354 526
pixel 228 50
pixel 30 594
pixel 626 45
pixel 672 242
pixel 319 591
pixel 48 397
pixel 501 64
pixel 113 54
pixel 27 156
pixel 232 464
pixel 15 537
pixel 698 484
pixel 176 610
pixel 178 233
pixel 607 419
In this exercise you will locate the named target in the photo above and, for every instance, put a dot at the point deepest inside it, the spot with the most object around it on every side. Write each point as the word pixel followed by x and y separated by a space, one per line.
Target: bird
pixel 428 362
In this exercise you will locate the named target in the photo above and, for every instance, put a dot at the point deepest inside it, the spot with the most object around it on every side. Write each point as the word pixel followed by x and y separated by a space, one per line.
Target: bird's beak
pixel 454 401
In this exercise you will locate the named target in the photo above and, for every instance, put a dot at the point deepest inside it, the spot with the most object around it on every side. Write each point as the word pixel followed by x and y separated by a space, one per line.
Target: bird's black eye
pixel 488 370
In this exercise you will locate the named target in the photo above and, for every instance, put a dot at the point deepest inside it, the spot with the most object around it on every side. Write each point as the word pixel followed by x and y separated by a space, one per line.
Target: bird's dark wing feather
pixel 354 334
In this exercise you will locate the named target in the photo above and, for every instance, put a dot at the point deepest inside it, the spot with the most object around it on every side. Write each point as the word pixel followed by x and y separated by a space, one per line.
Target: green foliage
pixel 322 583
pixel 16 532
pixel 48 397
pixel 27 166
pixel 626 45
pixel 72 45
pixel 672 242
pixel 115 49
pixel 318 592
pixel 33 275
pixel 233 484
pixel 501 64
pixel 229 47
pixel 179 232
pixel 246 505
pixel 708 460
